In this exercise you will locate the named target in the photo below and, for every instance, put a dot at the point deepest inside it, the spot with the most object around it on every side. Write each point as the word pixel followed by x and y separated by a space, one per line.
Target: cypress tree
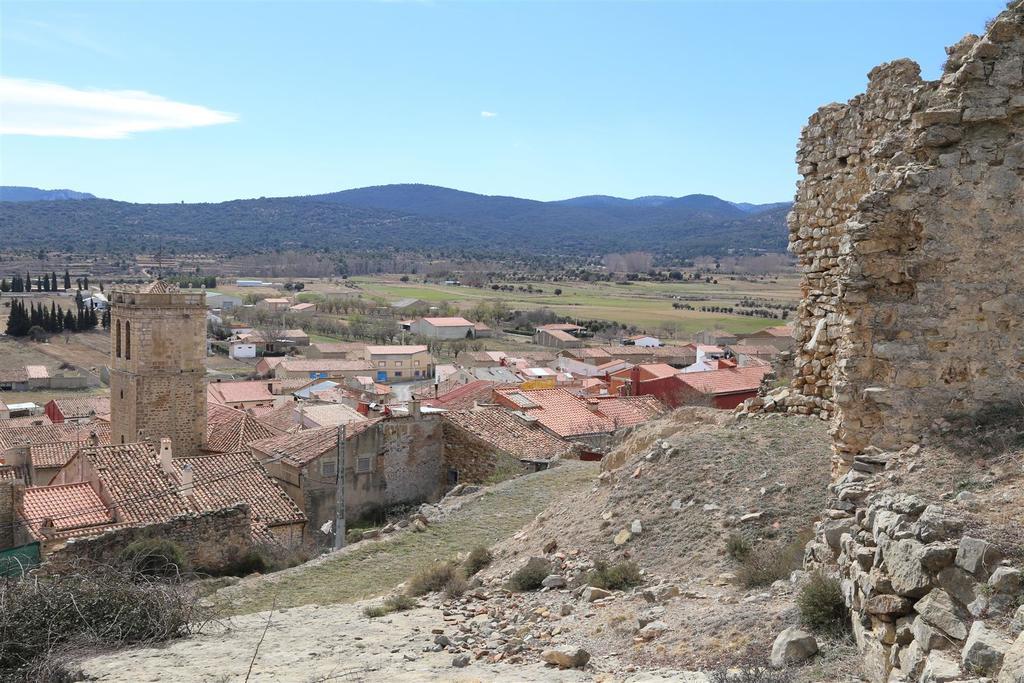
pixel 67 280
pixel 69 321
pixel 53 281
pixel 4 287
pixel 28 282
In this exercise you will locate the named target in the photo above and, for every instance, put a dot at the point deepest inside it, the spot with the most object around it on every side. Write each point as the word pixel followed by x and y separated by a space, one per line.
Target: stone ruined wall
pixel 930 600
pixel 908 228
pixel 161 389
pixel 212 541
pixel 413 468
pixel 474 459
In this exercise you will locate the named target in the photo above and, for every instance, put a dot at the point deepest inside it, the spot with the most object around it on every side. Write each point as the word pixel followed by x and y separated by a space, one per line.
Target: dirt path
pixel 373 568
pixel 335 643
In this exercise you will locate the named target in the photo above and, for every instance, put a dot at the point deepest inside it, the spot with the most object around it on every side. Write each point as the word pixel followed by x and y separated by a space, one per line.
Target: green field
pixel 648 305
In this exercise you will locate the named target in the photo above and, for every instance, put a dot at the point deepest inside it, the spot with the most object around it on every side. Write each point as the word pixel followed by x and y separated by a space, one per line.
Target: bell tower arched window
pixel 117 339
pixel 128 340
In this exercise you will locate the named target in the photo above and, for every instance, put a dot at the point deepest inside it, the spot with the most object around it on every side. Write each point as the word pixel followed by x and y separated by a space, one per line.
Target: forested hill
pixel 402 217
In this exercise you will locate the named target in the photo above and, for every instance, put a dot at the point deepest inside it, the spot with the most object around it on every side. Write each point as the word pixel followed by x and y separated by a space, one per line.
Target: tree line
pixel 38 320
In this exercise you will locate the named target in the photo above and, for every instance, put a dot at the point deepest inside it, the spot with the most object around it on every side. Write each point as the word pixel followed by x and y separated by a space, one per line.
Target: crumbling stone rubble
pixel 908 228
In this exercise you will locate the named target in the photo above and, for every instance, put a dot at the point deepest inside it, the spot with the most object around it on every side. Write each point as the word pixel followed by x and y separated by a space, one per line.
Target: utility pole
pixel 339 496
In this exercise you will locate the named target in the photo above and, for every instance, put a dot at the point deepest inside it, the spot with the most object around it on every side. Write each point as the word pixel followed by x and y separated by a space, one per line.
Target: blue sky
pixel 245 99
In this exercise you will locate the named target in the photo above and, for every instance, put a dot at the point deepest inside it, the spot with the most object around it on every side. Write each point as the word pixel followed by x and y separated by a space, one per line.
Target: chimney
pixel 164 456
pixel 593 404
pixel 634 378
pixel 187 481
pixel 414 408
pixel 363 408
pixel 94 439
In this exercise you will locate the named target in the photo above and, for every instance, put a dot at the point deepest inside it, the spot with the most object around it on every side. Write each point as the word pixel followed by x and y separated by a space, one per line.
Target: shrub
pixel 45 619
pixel 614 577
pixel 750 674
pixel 432 579
pixel 456 586
pixel 770 562
pixel 479 557
pixel 737 547
pixel 531 575
pixel 392 603
pixel 156 557
pixel 353 536
pixel 821 605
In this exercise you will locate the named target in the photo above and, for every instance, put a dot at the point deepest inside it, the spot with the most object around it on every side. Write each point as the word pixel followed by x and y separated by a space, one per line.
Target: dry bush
pixel 432 579
pixel 392 603
pixel 157 557
pixel 45 619
pixel 737 547
pixel 770 561
pixel 618 576
pixel 456 586
pixel 478 558
pixel 531 575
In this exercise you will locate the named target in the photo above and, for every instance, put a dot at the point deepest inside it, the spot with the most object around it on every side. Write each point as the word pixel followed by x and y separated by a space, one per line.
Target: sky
pixel 208 101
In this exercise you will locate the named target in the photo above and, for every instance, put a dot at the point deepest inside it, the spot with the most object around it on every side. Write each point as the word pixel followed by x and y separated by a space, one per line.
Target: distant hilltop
pixel 408 216
pixel 15 193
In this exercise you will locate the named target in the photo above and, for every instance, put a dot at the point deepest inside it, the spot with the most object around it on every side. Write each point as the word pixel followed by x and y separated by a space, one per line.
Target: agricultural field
pixel 647 305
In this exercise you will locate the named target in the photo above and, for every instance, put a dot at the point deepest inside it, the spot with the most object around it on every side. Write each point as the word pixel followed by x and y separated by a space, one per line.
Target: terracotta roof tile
pixel 238 392
pixel 229 429
pixel 728 381
pixel 510 433
pixel 568 415
pixel 82 407
pixel 448 322
pixel 50 433
pixel 140 489
pixel 327 365
pixel 224 479
pixel 464 397
pixel 300 448
pixel 66 506
pixel 395 350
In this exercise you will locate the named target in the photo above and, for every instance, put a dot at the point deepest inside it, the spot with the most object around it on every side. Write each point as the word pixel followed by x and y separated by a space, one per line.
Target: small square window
pixel 362 465
pixel 398 363
pixel 328 468
pixel 415 363
pixel 397 373
pixel 382 364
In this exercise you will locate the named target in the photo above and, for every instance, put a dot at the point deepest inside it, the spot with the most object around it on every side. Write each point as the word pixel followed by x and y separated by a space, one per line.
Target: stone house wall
pixel 7 512
pixel 471 458
pixel 907 226
pixel 399 460
pixel 211 540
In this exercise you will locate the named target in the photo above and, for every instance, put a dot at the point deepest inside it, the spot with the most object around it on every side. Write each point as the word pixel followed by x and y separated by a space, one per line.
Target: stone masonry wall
pixel 473 458
pixel 161 388
pixel 211 540
pixel 908 228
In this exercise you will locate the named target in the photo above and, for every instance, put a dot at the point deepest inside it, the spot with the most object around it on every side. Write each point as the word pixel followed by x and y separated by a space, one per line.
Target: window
pixel 415 363
pixel 416 374
pixel 381 364
pixel 362 465
pixel 398 363
pixel 328 468
pixel 397 373
pixel 128 340
pixel 117 342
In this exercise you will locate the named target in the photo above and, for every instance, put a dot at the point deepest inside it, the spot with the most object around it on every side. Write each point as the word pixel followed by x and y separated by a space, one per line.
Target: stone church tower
pixel 157 369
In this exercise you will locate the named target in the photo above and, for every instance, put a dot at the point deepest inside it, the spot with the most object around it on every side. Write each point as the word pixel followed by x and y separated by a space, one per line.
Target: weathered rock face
pixel 907 225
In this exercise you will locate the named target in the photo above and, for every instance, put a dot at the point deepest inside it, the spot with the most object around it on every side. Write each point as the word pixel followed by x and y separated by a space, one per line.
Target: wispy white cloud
pixel 488 114
pixel 52 110
pixel 67 31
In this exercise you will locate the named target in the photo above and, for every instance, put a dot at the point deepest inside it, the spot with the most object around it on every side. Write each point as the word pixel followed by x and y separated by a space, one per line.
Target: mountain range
pixel 396 217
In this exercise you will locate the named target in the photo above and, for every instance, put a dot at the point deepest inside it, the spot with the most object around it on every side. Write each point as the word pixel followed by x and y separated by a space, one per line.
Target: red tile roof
pixel 230 429
pixel 569 415
pixel 51 433
pixel 63 507
pixel 282 418
pixel 327 365
pixel 464 397
pixel 140 489
pixel 238 392
pixel 560 335
pixel 225 479
pixel 510 433
pixel 727 381
pixel 300 448
pixel 82 407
